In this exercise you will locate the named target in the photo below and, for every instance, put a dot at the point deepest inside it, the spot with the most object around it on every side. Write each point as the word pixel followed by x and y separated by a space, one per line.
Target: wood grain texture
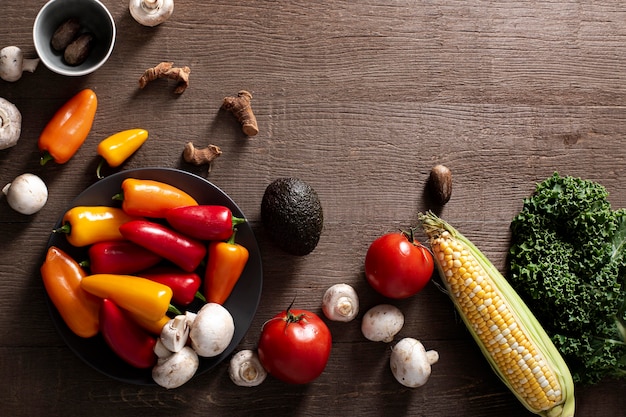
pixel 359 99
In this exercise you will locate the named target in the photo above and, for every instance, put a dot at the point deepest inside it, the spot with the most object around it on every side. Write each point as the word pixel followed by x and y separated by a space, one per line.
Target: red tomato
pixel 398 266
pixel 295 346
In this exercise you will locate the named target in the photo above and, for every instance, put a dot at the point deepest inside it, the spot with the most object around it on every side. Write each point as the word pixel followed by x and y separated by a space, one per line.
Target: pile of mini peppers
pixel 159 252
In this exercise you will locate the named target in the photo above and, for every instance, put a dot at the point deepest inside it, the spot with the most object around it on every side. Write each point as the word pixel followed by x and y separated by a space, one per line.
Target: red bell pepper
pixel 203 222
pixel 185 252
pixel 224 267
pixel 120 257
pixel 125 337
pixel 184 285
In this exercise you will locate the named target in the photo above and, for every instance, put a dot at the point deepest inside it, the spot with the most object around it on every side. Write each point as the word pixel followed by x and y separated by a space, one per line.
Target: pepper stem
pixel 238 220
pixel 118 197
pixel 66 228
pixel 200 296
pixel 99 168
pixel 45 158
pixel 172 309
pixel 231 239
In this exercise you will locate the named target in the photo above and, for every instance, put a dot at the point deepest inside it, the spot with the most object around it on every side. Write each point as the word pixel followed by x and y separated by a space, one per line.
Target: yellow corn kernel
pixel 508 334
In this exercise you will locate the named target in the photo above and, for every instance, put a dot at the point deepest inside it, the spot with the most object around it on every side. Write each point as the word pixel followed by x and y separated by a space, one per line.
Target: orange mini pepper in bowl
pixel 117 148
pixel 69 127
pixel 225 265
pixel 61 276
pixel 149 198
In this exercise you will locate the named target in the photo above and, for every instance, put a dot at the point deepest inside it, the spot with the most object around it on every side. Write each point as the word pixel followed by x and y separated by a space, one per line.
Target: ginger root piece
pixel 167 70
pixel 241 108
pixel 203 156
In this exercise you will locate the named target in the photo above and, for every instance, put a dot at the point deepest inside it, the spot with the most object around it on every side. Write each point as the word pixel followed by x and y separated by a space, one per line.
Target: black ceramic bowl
pixel 242 303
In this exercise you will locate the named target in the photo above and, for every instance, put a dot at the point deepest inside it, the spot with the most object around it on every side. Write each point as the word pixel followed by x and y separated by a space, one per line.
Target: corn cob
pixel 512 340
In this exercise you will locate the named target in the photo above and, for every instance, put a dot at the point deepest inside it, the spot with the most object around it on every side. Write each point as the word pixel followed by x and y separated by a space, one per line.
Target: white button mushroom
pixel 340 303
pixel 27 194
pixel 211 330
pixel 151 12
pixel 382 322
pixel 245 369
pixel 10 124
pixel 176 369
pixel 175 333
pixel 410 363
pixel 13 63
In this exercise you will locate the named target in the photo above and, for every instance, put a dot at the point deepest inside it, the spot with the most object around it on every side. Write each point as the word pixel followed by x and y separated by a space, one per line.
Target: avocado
pixel 292 215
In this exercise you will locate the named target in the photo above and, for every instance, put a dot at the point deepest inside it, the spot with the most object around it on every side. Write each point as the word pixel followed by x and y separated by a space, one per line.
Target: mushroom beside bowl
pixel 242 303
pixel 93 17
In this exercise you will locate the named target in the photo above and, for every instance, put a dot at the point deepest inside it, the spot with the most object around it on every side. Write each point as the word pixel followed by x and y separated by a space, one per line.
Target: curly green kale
pixel 568 262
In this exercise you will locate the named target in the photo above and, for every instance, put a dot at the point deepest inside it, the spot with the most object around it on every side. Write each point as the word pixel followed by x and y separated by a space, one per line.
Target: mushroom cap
pixel 10 124
pixel 176 369
pixel 382 322
pixel 151 12
pixel 410 363
pixel 27 194
pixel 212 330
pixel 11 59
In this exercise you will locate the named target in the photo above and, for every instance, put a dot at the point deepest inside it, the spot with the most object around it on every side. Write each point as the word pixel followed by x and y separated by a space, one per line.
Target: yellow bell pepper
pixel 85 225
pixel 146 299
pixel 118 147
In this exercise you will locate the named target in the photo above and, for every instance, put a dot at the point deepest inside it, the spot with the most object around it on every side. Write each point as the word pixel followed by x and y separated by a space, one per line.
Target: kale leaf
pixel 567 260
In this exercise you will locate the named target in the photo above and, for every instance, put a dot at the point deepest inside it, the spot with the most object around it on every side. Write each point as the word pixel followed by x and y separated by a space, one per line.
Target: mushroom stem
pixel 340 303
pixel 151 12
pixel 432 356
pixel 10 124
pixel 30 64
pixel 5 120
pixel 175 333
pixel 245 369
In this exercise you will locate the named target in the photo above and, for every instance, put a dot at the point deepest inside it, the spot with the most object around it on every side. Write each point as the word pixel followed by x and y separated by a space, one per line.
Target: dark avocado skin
pixel 292 215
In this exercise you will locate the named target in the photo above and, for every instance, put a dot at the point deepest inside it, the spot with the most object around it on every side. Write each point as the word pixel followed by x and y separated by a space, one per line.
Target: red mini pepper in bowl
pixel 242 303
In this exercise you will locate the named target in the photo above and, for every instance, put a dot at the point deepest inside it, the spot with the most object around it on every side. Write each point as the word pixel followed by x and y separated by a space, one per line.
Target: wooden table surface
pixel 360 100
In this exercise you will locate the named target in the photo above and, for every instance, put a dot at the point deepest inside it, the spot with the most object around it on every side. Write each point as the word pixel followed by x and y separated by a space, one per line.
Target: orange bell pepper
pixel 62 276
pixel 224 267
pixel 68 128
pixel 147 299
pixel 151 198
pixel 85 225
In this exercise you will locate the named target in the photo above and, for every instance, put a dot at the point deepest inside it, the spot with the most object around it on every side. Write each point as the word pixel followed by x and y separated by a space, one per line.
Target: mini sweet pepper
pixel 120 257
pixel 204 222
pixel 69 127
pixel 126 338
pixel 187 253
pixel 117 148
pixel 149 198
pixel 62 277
pixel 85 225
pixel 148 299
pixel 184 285
pixel 225 265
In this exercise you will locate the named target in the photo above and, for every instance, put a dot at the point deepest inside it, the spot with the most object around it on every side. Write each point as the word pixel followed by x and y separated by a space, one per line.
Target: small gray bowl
pixel 93 16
